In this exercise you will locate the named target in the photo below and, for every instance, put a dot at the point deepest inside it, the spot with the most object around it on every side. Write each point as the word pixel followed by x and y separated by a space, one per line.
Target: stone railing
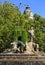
pixel 21 58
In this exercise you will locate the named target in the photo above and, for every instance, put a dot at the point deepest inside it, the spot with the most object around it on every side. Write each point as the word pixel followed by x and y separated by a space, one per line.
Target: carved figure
pixel 31 31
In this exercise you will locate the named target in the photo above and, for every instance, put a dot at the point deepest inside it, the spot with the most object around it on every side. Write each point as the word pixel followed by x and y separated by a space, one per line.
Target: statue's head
pixel 32 28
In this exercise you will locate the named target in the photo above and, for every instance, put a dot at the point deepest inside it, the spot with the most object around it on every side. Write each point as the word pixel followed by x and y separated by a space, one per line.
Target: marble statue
pixel 31 31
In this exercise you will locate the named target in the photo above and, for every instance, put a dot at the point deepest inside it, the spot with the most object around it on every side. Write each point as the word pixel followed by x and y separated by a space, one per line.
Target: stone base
pixel 22 63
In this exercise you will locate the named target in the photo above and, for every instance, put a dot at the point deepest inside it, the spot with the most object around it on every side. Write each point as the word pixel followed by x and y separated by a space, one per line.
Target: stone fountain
pixel 28 55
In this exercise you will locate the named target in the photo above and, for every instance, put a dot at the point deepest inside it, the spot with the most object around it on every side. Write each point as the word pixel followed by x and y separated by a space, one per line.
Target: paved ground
pixel 22 63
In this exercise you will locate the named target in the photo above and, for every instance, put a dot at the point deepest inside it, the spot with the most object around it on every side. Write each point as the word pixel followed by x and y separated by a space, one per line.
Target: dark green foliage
pixel 40 31
pixel 24 36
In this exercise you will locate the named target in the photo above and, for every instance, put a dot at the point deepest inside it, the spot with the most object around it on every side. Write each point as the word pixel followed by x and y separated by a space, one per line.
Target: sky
pixel 36 6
